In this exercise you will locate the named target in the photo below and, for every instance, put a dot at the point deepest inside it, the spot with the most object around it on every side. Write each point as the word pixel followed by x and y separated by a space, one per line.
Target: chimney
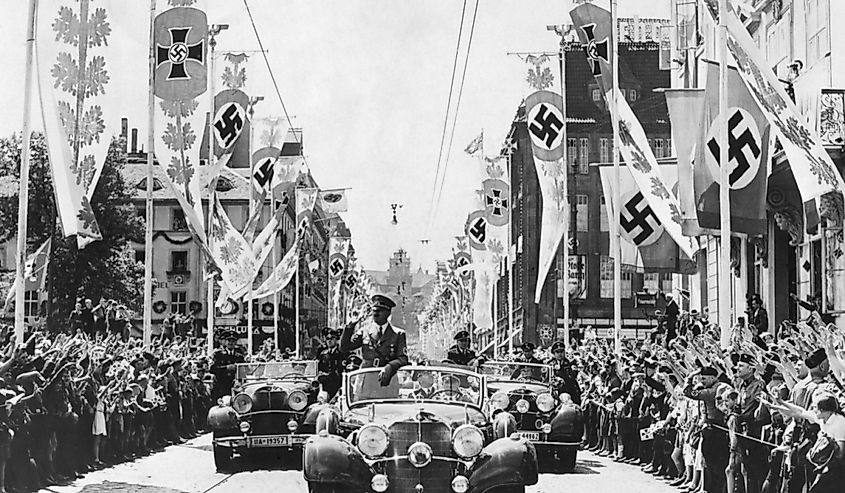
pixel 134 140
pixel 124 131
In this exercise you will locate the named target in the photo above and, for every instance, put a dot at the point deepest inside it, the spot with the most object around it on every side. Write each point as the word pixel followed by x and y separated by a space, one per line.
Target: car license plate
pixel 269 441
pixel 530 435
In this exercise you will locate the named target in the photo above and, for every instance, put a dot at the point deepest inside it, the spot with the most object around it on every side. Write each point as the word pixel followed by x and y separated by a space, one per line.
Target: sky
pixel 368 81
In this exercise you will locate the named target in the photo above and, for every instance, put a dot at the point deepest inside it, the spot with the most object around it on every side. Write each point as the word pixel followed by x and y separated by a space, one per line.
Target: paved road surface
pixel 190 468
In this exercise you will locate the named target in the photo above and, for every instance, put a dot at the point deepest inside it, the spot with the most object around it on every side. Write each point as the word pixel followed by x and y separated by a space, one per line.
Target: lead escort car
pixel 424 432
pixel 523 400
pixel 273 405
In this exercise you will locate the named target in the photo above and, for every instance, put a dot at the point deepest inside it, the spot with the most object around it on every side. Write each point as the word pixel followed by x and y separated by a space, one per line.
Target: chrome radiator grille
pixel 435 477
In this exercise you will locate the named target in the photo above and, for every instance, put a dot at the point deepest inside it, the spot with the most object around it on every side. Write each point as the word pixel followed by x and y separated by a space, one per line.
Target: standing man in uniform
pixel 223 365
pixel 330 362
pixel 527 356
pixel 461 354
pixel 564 377
pixel 382 345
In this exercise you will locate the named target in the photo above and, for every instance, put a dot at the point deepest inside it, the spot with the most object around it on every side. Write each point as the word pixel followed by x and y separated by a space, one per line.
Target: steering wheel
pixel 455 394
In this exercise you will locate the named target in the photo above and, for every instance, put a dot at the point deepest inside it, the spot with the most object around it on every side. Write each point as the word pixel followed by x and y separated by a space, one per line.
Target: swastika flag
pixel 748 153
pixel 645 242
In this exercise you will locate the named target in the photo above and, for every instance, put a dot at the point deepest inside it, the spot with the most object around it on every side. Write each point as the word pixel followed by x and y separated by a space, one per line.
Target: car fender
pixel 504 424
pixel 331 459
pixel 222 418
pixel 568 423
pixel 506 461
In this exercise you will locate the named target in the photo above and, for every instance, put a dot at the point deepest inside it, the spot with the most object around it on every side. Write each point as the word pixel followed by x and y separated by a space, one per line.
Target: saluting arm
pixel 349 339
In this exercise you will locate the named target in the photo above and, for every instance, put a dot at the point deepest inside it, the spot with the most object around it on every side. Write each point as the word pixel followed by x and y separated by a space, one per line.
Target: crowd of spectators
pixel 74 402
pixel 763 415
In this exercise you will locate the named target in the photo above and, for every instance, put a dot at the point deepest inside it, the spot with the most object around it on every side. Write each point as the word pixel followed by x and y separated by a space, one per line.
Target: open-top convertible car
pixel 273 406
pixel 523 400
pixel 425 431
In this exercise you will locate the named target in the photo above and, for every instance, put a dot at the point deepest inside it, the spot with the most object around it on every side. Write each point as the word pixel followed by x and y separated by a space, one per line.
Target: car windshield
pixel 514 371
pixel 277 370
pixel 416 383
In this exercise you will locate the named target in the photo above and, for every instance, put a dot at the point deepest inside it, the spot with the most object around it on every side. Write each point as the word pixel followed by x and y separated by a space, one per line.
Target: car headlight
pixel 372 440
pixel 297 400
pixel 522 406
pixel 242 403
pixel 545 402
pixel 467 441
pixel 419 454
pixel 500 400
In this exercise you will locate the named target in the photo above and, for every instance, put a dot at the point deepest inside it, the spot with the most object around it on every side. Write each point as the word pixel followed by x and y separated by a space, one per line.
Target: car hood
pixel 511 386
pixel 390 412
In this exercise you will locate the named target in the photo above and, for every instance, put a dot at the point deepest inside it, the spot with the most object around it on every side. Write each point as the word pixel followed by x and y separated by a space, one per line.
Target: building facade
pixel 589 144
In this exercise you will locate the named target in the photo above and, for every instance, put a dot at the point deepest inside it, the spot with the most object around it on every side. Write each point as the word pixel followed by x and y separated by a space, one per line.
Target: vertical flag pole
pixel 23 191
pixel 511 254
pixel 567 217
pixel 252 205
pixel 724 184
pixel 148 216
pixel 617 199
pixel 276 261
pixel 298 266
pixel 209 295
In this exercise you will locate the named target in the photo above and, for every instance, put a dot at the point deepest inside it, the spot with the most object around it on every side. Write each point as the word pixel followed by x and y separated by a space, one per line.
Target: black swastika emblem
pixel 263 172
pixel 596 50
pixel 179 53
pixel 478 230
pixel 337 267
pixel 228 125
pixel 642 223
pixel 546 126
pixel 744 149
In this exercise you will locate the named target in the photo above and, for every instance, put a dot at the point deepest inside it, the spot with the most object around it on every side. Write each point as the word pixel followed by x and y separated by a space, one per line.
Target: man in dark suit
pixel 330 362
pixel 224 364
pixel 460 353
pixel 381 344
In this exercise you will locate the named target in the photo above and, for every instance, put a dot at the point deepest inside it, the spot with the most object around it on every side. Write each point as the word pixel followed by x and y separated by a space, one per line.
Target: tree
pixel 104 268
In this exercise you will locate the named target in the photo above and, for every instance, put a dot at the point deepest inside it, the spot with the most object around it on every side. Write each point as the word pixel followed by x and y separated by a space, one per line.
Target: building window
pixel 30 303
pixel 666 284
pixel 179 261
pixel 632 95
pixel 607 279
pixel 624 93
pixel 604 150
pixel 572 151
pixel 604 224
pixel 584 156
pixel 582 212
pixel 179 302
pixel 668 148
pixel 140 256
pixel 658 148
pixel 596 95
pixel 818 39
pixel 178 221
pixel 651 282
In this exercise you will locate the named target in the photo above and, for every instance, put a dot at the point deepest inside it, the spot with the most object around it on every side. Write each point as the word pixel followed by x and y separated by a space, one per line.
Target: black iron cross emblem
pixel 496 202
pixel 596 50
pixel 179 53
pixel 643 219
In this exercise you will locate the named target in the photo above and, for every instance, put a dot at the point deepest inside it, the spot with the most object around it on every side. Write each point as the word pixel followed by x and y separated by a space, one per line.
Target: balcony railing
pixel 832 117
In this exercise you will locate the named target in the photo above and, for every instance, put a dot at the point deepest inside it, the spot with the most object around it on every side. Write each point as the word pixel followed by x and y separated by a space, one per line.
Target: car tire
pixel 567 459
pixel 223 459
pixel 329 488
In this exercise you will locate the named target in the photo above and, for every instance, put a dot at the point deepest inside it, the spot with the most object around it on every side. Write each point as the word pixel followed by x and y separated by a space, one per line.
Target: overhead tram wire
pixel 455 119
pixel 446 113
pixel 273 79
